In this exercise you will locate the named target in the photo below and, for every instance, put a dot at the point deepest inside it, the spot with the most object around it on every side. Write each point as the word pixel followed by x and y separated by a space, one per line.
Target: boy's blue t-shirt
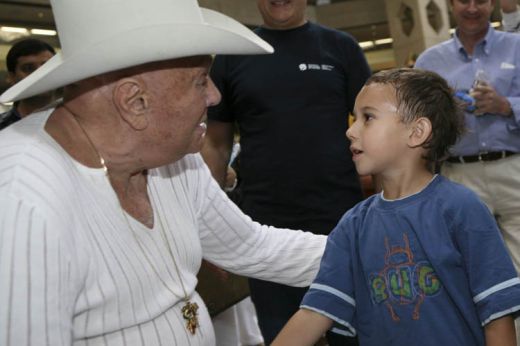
pixel 429 269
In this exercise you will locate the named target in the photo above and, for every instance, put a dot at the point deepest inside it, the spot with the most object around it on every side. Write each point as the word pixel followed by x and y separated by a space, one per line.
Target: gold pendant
pixel 189 313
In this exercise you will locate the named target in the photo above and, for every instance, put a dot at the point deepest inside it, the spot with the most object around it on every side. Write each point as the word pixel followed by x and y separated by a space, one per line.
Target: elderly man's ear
pixel 131 100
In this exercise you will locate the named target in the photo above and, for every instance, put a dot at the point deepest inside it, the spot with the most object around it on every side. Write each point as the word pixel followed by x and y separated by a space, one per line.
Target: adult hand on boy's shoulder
pixel 501 332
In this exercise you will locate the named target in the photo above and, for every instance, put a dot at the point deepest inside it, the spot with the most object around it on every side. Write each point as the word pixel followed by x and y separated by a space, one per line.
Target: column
pixel 416 25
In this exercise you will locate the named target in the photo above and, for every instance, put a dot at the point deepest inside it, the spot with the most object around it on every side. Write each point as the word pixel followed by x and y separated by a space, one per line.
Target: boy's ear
pixel 131 99
pixel 421 130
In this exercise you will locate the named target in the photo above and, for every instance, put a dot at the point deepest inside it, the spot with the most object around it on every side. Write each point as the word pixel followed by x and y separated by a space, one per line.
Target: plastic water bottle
pixel 481 78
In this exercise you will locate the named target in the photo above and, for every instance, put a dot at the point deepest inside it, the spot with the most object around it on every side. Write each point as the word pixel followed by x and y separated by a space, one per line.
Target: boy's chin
pixel 364 170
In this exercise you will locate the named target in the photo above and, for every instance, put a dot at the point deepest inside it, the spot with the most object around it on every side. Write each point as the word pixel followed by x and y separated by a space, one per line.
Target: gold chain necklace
pixel 189 310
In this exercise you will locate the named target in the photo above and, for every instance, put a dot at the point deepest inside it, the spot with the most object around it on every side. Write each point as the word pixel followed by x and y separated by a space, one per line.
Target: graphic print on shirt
pixel 319 67
pixel 403 281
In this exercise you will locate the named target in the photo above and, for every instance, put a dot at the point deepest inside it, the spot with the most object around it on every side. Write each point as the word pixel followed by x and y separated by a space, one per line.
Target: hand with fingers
pixel 487 100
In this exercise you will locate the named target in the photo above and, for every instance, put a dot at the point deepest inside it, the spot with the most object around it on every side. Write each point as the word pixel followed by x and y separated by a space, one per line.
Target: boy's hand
pixel 501 332
pixel 487 100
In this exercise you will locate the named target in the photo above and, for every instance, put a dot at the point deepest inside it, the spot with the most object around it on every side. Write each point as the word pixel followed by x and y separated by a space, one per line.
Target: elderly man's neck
pixel 92 145
pixel 91 137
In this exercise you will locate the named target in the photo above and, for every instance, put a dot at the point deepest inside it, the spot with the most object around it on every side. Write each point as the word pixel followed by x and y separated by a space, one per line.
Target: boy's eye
pixel 368 117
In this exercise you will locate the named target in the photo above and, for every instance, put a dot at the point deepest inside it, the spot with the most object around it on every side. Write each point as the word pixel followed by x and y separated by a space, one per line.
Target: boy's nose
pixel 351 131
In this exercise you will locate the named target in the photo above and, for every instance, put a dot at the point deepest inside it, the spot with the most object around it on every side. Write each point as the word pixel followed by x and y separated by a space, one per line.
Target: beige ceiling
pixel 365 19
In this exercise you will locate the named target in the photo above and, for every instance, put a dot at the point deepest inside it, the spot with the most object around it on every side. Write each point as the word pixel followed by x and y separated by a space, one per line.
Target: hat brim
pixel 218 34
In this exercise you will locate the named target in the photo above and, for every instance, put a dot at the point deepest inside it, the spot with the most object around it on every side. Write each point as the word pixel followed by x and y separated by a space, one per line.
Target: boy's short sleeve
pixel 493 279
pixel 332 292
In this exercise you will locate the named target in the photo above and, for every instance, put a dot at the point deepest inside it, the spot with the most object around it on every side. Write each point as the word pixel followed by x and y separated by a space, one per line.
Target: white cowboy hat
pixel 99 36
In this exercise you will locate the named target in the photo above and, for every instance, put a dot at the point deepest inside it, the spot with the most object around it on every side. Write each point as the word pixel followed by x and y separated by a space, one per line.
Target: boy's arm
pixel 500 332
pixel 305 328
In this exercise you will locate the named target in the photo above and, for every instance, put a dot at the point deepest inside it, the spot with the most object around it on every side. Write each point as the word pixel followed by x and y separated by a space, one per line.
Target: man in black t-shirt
pixel 291 108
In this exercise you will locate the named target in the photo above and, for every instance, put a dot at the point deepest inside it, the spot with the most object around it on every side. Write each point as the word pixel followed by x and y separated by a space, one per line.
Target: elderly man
pixel 485 63
pixel 106 209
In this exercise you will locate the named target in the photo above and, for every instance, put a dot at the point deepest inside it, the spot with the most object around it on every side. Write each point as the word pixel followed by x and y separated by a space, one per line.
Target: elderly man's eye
pixel 203 81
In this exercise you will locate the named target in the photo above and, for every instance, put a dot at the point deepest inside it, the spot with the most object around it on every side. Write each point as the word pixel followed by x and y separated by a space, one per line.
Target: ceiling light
pixel 14 29
pixel 43 32
pixel 384 41
pixel 366 44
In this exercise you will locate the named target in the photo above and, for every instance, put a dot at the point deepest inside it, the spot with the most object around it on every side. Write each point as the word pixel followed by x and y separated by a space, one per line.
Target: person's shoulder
pixel 507 39
pixel 506 34
pixel 358 212
pixel 457 199
pixel 328 31
pixel 352 221
pixel 27 154
pixel 19 133
pixel 26 129
pixel 455 188
pixel 434 51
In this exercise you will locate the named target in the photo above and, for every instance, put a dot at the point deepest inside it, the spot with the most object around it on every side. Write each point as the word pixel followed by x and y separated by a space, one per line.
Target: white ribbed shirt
pixel 72 271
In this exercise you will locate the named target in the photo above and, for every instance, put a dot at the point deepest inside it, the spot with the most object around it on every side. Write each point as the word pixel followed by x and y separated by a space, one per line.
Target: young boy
pixel 423 262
